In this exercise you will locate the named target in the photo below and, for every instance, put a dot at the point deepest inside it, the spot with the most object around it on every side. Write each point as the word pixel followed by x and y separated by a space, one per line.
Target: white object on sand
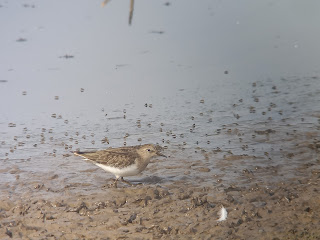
pixel 223 214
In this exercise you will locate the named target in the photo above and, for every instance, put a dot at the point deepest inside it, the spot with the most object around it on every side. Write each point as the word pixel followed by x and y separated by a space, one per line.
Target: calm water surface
pixel 206 80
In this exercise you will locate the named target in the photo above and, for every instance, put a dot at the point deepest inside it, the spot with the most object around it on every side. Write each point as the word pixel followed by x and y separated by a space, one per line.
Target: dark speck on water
pixel 67 56
pixel 21 40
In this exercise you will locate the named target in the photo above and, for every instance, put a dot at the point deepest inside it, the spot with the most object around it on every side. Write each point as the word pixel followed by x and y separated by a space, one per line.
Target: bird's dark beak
pixel 158 150
pixel 160 154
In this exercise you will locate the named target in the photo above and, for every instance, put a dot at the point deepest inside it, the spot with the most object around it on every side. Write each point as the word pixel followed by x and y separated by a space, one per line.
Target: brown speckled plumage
pixel 112 157
pixel 119 159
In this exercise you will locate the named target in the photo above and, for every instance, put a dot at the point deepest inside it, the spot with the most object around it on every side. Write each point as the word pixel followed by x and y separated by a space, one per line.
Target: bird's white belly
pixel 120 172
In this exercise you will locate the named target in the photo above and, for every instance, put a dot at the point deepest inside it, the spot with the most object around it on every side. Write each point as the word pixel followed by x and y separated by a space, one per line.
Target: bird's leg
pixel 114 184
pixel 129 183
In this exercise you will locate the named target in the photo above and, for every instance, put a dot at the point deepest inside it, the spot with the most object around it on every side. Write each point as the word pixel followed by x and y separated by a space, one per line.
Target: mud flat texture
pixel 262 203
pixel 230 93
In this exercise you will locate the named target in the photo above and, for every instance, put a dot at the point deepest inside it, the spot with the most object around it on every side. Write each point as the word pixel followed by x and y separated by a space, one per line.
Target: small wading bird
pixel 123 161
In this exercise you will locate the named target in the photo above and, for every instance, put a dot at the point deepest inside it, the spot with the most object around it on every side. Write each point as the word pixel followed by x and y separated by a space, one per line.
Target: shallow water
pixel 192 77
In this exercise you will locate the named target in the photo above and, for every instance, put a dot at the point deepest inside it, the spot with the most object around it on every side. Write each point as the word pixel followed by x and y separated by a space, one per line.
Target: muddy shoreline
pixel 258 207
pixel 231 94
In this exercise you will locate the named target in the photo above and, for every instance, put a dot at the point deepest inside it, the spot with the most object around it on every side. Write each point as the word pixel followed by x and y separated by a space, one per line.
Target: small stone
pixel 121 201
pixel 203 169
pixel 132 218
pixel 9 233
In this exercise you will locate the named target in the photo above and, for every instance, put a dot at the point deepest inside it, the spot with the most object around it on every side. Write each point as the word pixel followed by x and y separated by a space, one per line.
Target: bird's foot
pixel 127 182
pixel 111 185
pixel 114 184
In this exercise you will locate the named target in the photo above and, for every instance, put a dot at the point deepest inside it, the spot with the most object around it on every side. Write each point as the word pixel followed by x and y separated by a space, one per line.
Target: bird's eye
pixel 148 150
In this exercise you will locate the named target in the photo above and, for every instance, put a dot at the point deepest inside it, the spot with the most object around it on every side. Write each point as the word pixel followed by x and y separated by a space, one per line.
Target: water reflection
pixel 130 11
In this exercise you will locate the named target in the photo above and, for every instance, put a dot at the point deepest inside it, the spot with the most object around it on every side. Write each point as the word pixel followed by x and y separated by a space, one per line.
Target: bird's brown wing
pixel 112 158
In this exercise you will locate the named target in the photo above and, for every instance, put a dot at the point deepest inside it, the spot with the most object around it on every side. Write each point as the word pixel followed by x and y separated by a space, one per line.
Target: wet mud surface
pixel 288 210
pixel 256 157
pixel 269 201
pixel 234 103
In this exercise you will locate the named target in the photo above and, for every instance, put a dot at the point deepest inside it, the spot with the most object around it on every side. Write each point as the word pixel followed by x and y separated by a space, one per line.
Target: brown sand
pixel 287 211
pixel 259 207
